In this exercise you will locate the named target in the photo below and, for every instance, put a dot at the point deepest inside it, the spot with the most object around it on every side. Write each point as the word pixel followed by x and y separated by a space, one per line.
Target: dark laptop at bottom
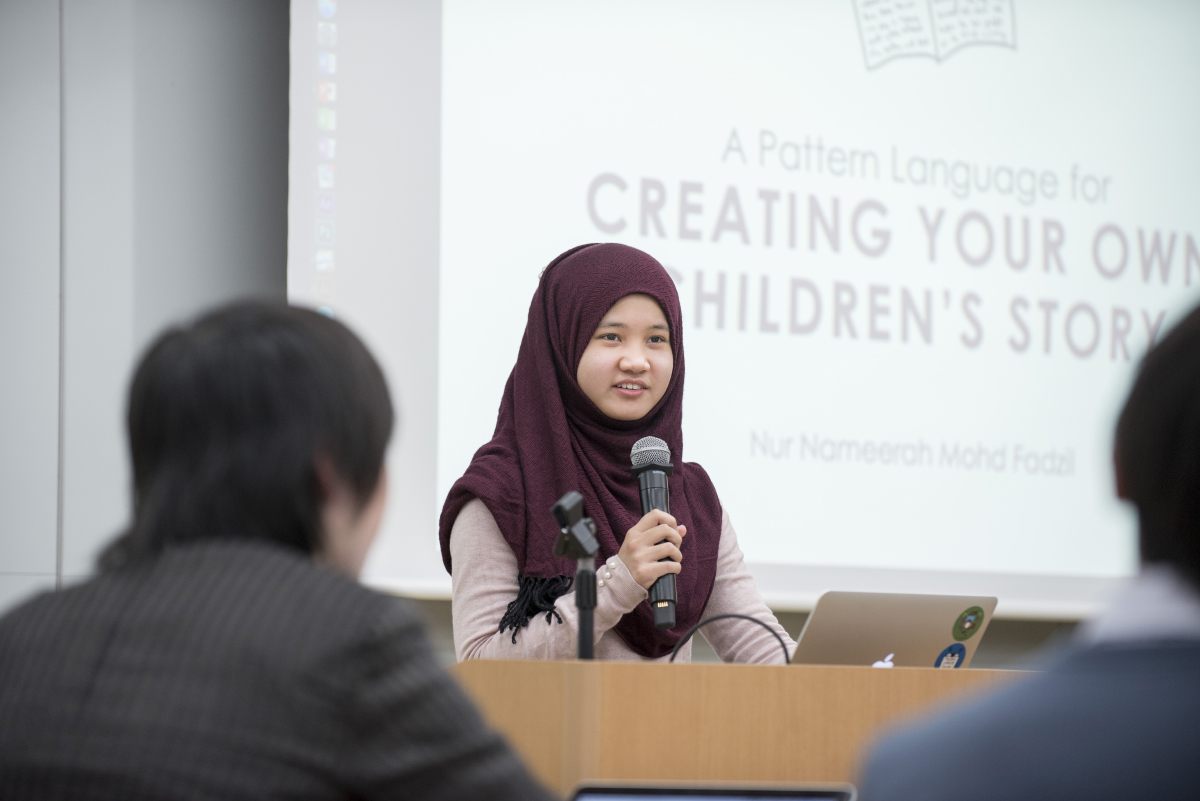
pixel 714 792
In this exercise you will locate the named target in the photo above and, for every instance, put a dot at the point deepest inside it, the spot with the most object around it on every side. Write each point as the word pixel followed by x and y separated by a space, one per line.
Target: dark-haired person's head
pixel 1158 450
pixel 257 422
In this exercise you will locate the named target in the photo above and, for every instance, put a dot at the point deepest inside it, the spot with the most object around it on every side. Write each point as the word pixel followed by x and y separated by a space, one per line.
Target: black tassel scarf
pixel 536 595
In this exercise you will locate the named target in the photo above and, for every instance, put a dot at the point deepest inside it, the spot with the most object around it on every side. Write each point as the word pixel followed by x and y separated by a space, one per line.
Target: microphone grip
pixel 652 485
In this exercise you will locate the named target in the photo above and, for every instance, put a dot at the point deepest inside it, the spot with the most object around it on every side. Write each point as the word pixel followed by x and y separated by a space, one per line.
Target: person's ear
pixel 1119 475
pixel 329 483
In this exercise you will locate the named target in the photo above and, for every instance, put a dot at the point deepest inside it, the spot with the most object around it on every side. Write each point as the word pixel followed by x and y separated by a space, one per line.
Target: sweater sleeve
pixel 485 583
pixel 733 639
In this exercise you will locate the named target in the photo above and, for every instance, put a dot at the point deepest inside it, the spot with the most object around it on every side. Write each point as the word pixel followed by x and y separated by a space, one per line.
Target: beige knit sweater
pixel 485 582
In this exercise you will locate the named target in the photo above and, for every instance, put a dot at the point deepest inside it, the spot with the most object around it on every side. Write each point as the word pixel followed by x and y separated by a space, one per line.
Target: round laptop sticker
pixel 968 623
pixel 952 657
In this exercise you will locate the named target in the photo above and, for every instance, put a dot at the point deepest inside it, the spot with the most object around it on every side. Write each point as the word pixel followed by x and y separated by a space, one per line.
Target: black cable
pixel 786 659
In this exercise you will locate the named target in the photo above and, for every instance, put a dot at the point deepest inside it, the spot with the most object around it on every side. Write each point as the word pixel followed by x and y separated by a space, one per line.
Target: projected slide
pixel 920 246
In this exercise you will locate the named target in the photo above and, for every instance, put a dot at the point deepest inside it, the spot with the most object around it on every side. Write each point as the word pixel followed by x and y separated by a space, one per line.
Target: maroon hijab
pixel 550 438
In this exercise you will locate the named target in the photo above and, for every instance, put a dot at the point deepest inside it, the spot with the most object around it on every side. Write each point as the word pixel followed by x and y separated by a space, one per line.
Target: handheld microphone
pixel 651 466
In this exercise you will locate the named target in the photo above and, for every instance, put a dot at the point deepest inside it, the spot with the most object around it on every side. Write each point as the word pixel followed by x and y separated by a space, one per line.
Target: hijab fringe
pixel 536 595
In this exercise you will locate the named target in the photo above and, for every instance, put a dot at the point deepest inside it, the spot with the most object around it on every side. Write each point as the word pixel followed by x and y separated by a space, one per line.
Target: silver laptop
pixel 885 629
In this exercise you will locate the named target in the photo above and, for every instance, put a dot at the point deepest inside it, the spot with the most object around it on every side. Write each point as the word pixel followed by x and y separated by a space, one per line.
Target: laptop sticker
pixel 968 623
pixel 953 657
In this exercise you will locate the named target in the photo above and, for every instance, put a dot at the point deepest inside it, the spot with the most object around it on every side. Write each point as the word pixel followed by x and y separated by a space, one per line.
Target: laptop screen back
pixel 894 629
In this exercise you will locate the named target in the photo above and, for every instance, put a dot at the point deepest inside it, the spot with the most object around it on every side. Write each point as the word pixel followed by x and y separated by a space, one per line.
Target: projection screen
pixel 920 247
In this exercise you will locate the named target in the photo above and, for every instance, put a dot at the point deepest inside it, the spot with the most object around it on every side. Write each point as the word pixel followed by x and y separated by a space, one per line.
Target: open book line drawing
pixel 934 28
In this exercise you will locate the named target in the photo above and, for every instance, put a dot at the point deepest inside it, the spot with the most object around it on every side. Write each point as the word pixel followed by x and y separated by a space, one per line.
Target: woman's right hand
pixel 656 536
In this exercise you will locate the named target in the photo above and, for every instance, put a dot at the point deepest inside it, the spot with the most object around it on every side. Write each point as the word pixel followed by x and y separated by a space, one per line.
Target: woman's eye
pixel 656 339
pixel 610 337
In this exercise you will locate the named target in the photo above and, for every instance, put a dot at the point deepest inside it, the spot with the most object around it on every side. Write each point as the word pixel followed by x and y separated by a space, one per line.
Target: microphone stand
pixel 585 600
pixel 577 540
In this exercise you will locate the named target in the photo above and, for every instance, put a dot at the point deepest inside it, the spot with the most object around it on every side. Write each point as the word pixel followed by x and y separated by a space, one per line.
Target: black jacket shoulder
pixel 230 670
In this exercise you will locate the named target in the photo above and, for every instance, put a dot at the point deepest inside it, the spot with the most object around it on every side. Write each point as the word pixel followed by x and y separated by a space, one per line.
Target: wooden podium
pixel 612 721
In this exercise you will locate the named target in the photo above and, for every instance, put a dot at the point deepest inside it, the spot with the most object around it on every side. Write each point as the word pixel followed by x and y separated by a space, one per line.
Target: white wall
pixel 98 286
pixel 164 122
pixel 29 277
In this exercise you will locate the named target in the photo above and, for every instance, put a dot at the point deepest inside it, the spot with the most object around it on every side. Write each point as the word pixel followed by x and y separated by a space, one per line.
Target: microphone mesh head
pixel 650 450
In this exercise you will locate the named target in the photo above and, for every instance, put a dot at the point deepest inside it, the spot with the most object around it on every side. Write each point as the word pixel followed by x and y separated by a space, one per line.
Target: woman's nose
pixel 634 363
